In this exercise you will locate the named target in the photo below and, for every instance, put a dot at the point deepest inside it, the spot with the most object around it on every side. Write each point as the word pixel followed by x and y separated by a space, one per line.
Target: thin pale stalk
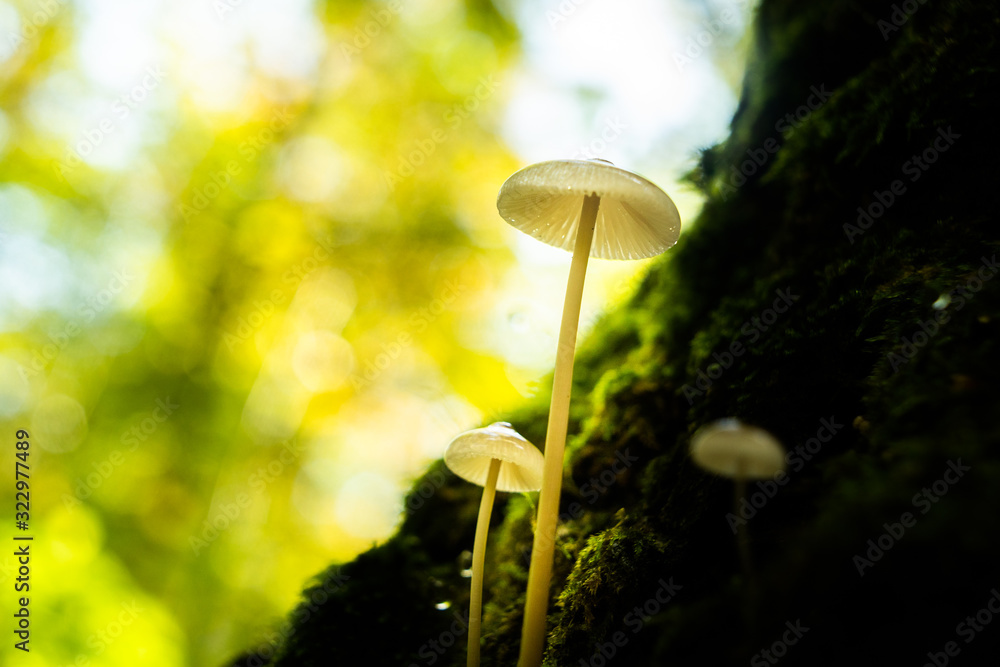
pixel 743 544
pixel 742 537
pixel 543 548
pixel 479 562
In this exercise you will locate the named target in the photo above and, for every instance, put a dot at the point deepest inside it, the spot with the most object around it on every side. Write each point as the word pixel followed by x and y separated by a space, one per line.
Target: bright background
pixel 252 277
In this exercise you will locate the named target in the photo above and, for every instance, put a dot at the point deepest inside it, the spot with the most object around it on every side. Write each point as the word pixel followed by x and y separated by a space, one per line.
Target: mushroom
pixel 593 209
pixel 477 456
pixel 730 448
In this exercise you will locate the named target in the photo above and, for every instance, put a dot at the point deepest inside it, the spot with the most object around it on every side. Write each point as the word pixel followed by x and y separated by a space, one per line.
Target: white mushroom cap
pixel 470 453
pixel 636 219
pixel 733 449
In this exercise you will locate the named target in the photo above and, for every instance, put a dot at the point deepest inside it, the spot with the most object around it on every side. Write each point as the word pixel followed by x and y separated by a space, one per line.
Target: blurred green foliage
pixel 194 290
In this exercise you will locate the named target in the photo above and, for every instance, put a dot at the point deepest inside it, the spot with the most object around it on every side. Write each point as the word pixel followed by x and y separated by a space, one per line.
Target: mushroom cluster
pixel 593 209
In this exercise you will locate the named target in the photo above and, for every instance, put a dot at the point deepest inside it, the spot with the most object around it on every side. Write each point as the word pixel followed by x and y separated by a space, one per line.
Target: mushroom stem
pixel 743 544
pixel 478 562
pixel 742 537
pixel 540 570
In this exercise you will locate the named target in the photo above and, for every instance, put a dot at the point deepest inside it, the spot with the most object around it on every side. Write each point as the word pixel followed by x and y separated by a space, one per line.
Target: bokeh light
pixel 254 280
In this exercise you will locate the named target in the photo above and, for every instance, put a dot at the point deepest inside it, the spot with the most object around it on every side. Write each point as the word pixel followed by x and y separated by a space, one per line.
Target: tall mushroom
pixel 477 456
pixel 730 448
pixel 594 209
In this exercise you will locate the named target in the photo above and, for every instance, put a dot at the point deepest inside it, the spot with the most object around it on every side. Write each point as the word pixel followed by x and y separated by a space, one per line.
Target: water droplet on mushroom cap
pixel 465 564
pixel 942 302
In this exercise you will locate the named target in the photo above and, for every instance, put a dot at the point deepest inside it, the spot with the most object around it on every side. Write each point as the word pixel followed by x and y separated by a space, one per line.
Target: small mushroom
pixel 730 448
pixel 478 456
pixel 591 208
